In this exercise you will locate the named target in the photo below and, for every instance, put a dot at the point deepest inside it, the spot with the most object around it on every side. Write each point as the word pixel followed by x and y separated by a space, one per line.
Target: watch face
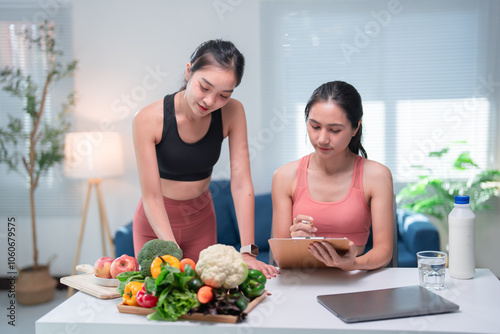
pixel 254 249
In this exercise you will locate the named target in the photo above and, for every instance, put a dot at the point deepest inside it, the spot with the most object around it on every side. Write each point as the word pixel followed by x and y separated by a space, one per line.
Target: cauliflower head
pixel 221 266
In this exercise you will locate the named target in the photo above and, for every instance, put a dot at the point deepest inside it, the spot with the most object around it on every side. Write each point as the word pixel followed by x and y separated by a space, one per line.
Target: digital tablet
pixel 407 301
pixel 294 252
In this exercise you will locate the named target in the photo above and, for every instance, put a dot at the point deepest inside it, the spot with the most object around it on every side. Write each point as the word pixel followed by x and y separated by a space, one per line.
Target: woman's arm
pixel 378 185
pixel 282 195
pixel 241 181
pixel 145 132
pixel 284 225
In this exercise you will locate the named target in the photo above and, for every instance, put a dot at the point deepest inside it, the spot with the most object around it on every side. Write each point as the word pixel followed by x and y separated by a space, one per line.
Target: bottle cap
pixel 461 199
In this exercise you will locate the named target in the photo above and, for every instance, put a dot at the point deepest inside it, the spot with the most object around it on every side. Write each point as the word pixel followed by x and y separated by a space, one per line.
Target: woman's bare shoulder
pixel 374 168
pixel 151 111
pixel 287 173
pixel 233 104
pixel 148 122
pixel 232 109
pixel 376 175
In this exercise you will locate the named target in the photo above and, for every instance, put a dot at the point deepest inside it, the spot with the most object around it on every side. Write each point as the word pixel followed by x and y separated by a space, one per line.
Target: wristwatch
pixel 251 249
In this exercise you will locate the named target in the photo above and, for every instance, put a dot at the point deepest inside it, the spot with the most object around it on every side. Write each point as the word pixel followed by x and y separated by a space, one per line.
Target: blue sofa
pixel 415 231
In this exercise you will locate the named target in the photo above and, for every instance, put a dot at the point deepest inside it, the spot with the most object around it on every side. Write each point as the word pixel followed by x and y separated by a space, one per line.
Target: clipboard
pixel 294 253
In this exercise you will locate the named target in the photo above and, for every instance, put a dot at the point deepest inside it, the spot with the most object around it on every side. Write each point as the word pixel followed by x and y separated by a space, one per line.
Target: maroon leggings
pixel 192 221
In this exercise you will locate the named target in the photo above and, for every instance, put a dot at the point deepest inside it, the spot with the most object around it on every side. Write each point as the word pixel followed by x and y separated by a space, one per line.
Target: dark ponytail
pixel 346 97
pixel 220 54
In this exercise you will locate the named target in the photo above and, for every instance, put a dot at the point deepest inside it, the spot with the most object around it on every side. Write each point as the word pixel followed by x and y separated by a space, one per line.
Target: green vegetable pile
pixel 183 291
pixel 175 297
pixel 235 301
pixel 225 301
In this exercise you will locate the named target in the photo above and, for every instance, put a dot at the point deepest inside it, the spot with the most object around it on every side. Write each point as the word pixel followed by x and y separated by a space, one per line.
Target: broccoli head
pixel 154 248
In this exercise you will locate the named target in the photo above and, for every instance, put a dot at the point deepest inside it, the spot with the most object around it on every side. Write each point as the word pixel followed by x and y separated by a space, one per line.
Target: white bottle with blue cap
pixel 461 226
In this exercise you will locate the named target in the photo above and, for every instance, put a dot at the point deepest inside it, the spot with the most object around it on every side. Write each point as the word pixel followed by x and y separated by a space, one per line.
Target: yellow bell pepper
pixel 130 293
pixel 156 264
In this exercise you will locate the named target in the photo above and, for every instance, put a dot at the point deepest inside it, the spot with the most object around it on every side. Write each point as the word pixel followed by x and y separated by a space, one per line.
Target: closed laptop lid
pixel 386 304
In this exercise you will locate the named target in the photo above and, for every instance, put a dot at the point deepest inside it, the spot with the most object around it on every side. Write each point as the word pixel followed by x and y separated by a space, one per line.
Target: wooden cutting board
pixel 85 283
pixel 122 308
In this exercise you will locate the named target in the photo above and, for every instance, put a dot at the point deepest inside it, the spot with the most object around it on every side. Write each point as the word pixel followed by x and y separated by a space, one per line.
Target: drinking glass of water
pixel 431 269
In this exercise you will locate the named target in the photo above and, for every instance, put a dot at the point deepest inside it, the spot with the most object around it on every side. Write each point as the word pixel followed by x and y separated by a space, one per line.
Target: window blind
pixel 420 67
pixel 55 195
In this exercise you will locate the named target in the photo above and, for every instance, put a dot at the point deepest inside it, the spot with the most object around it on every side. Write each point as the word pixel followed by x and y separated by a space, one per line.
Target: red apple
pixel 102 267
pixel 122 264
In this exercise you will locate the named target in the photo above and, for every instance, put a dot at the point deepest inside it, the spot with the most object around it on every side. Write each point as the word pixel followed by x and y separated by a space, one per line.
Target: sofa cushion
pixel 263 220
pixel 124 241
pixel 406 218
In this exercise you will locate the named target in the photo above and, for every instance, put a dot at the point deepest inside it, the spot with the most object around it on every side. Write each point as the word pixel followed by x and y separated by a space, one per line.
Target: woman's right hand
pixel 302 227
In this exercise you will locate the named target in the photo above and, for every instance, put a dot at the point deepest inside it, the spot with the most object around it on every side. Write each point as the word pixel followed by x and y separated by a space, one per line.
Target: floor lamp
pixel 93 156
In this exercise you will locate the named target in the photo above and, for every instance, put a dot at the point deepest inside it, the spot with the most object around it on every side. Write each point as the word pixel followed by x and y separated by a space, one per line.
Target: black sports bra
pixel 181 161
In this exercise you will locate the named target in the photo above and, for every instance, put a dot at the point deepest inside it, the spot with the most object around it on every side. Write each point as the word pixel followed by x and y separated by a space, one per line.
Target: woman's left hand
pixel 325 252
pixel 266 269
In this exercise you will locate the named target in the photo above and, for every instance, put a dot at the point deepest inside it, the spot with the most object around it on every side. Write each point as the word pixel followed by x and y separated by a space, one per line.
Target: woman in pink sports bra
pixel 336 191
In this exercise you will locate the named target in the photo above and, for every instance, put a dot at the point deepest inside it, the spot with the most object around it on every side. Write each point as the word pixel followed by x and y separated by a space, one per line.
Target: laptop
pixel 382 304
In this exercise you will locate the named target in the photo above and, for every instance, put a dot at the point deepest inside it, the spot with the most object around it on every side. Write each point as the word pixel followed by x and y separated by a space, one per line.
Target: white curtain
pixel 55 196
pixel 427 72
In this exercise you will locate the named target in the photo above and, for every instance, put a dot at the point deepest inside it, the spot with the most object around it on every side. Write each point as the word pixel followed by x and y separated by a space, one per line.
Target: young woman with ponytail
pixel 177 142
pixel 336 191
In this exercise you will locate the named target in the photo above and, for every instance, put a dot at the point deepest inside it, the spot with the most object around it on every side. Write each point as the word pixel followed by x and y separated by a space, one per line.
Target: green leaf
pixel 464 162
pixel 439 154
pixel 436 196
pixel 126 277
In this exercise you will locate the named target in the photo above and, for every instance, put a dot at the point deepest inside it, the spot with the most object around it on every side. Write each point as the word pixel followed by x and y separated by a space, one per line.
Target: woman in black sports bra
pixel 177 142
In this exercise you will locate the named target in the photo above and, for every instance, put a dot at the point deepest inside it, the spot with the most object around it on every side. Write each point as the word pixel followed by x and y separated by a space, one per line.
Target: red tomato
pixel 186 261
pixel 205 294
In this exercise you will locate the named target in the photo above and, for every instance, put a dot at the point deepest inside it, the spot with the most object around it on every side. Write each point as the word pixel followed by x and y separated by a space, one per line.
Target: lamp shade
pixel 93 155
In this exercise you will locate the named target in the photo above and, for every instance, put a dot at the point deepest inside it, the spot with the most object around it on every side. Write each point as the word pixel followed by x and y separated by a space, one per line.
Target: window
pixel 55 195
pixel 423 69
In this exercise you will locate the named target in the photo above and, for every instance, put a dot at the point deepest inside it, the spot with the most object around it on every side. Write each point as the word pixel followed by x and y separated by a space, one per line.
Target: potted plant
pixel 434 196
pixel 44 142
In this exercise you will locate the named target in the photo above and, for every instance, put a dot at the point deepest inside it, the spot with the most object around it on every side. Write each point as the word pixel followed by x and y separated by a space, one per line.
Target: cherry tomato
pixel 187 261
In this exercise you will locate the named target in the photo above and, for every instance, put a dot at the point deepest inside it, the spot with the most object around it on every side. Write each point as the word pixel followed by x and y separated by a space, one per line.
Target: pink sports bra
pixel 349 217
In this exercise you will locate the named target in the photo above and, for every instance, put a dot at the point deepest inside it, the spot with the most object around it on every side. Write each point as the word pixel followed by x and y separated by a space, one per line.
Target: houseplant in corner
pixel 32 149
pixel 434 196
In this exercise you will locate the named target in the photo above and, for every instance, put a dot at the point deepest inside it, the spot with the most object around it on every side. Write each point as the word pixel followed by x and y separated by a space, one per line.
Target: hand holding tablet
pixel 294 252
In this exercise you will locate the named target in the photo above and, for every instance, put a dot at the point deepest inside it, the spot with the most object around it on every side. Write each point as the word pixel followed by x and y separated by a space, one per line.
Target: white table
pixel 292 308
